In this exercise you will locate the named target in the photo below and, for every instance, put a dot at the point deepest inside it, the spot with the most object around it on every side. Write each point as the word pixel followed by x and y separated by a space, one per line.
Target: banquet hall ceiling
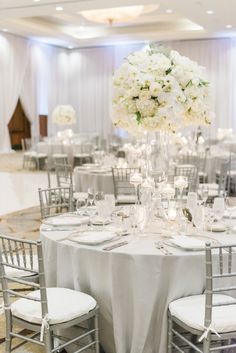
pixel 61 23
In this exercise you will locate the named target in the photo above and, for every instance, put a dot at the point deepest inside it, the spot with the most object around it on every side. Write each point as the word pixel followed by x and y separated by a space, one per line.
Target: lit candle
pixel 136 179
pixel 172 214
pixel 168 190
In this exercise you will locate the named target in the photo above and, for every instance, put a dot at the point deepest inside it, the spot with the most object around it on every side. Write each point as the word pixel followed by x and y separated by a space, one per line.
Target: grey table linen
pixel 132 284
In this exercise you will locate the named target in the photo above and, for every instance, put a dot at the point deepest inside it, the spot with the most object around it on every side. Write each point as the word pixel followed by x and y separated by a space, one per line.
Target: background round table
pixel 85 178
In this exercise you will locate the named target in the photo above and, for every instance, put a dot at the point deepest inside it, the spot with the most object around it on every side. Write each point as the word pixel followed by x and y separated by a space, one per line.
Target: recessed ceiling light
pixel 169 11
pixel 36 0
pixel 70 47
pixel 5 30
pixel 210 12
pixel 228 26
pixel 59 8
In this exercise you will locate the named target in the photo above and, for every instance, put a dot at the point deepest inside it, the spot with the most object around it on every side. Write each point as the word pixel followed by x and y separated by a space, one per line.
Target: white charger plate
pixel 65 220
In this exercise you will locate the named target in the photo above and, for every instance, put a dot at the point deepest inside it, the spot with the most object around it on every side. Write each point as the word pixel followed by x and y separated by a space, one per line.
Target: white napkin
pixel 93 238
pixel 187 242
pixel 67 220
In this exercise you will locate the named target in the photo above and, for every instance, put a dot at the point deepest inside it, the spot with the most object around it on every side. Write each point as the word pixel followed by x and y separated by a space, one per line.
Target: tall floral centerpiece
pixel 64 115
pixel 158 90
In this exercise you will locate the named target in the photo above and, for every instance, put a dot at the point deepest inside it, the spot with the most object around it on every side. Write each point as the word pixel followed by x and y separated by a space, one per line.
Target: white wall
pixel 45 76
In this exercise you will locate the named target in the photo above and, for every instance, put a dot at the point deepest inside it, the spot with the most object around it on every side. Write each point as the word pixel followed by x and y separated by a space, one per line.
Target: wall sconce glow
pixel 228 26
pixel 210 12
pixel 59 8
pixel 117 14
pixel 169 11
pixel 5 30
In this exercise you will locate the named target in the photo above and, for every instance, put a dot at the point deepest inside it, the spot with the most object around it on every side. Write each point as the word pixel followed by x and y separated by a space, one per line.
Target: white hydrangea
pixel 159 89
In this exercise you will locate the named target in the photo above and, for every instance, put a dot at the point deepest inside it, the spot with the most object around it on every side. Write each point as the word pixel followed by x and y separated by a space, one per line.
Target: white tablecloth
pixel 133 286
pixel 85 179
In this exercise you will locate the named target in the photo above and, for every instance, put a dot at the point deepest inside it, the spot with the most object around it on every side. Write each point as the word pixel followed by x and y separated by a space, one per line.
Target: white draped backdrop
pixel 44 76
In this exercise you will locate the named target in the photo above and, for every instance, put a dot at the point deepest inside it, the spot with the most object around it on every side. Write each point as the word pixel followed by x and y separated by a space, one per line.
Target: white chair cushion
pixel 191 311
pixel 63 305
pixel 59 155
pixel 14 272
pixel 126 199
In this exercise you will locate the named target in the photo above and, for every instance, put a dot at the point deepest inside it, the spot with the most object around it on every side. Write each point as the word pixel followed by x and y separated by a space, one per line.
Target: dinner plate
pixel 90 237
pixel 65 220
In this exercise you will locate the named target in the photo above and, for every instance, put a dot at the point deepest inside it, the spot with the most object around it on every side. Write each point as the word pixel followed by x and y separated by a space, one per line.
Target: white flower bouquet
pixel 64 115
pixel 158 89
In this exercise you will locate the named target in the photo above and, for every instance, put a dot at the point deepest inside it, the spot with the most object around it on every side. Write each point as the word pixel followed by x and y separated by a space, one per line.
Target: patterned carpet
pixel 23 224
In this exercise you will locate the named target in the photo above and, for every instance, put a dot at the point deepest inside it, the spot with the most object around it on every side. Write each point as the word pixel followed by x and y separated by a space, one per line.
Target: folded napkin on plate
pixel 187 242
pixel 93 238
pixel 67 220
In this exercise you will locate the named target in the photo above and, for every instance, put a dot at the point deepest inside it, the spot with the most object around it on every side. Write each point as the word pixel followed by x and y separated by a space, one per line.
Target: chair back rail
pixel 55 200
pixel 121 181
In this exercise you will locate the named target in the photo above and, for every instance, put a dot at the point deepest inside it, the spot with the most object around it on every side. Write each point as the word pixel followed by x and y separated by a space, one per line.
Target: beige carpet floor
pixel 23 224
pixel 13 162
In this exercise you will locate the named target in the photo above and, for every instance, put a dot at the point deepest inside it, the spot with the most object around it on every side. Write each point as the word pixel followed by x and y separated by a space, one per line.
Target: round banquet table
pixel 132 284
pixel 99 181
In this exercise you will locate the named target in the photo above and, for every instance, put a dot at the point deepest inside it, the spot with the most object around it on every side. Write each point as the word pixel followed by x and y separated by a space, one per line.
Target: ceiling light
pixel 70 47
pixel 36 0
pixel 59 8
pixel 228 26
pixel 169 11
pixel 5 30
pixel 113 15
pixel 210 12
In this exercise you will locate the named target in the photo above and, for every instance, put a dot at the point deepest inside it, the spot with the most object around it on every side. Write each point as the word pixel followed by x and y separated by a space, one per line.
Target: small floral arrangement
pixel 64 115
pixel 158 89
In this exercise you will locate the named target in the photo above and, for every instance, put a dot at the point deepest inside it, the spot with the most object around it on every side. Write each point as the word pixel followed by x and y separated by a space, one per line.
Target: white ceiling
pixel 189 20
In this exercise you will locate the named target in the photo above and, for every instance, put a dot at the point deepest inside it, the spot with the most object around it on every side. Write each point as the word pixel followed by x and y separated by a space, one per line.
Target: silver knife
pixel 114 246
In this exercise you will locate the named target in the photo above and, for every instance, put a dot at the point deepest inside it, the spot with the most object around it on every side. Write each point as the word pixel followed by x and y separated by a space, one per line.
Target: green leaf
pixel 138 117
pixel 168 71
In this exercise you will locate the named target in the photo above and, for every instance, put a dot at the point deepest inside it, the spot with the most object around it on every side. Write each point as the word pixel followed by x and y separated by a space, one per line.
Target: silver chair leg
pixel 8 341
pixel 97 347
pixel 47 341
pixel 170 334
pixel 206 345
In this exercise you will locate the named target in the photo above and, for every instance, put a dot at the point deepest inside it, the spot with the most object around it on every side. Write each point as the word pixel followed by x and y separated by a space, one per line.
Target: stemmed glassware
pixel 136 179
pixel 230 205
pixel 180 183
pixel 198 215
pixel 204 193
pixel 218 208
pixel 80 203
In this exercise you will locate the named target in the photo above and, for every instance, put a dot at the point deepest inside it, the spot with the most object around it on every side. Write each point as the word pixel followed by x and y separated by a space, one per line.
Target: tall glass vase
pixel 157 155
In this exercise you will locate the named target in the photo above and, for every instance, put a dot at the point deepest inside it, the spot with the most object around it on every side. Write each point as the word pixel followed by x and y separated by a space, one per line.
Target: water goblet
pixel 199 217
pixel 136 179
pixel 204 193
pixel 80 203
pixel 218 208
pixel 230 205
pixel 180 183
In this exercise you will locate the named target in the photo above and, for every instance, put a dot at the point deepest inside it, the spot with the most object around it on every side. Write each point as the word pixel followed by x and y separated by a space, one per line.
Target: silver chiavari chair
pixel 38 311
pixel 191 172
pixel 124 191
pixel 55 200
pixel 209 318
pixel 64 175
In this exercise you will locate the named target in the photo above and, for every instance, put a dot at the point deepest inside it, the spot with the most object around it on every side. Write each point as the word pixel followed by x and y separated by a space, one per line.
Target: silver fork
pixel 159 245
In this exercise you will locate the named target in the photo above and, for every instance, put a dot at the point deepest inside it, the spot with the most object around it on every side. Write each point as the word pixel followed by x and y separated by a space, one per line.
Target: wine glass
pixel 204 193
pixel 218 208
pixel 199 217
pixel 230 205
pixel 111 201
pixel 136 179
pixel 180 183
pixel 80 203
pixel 191 201
pixel 210 216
